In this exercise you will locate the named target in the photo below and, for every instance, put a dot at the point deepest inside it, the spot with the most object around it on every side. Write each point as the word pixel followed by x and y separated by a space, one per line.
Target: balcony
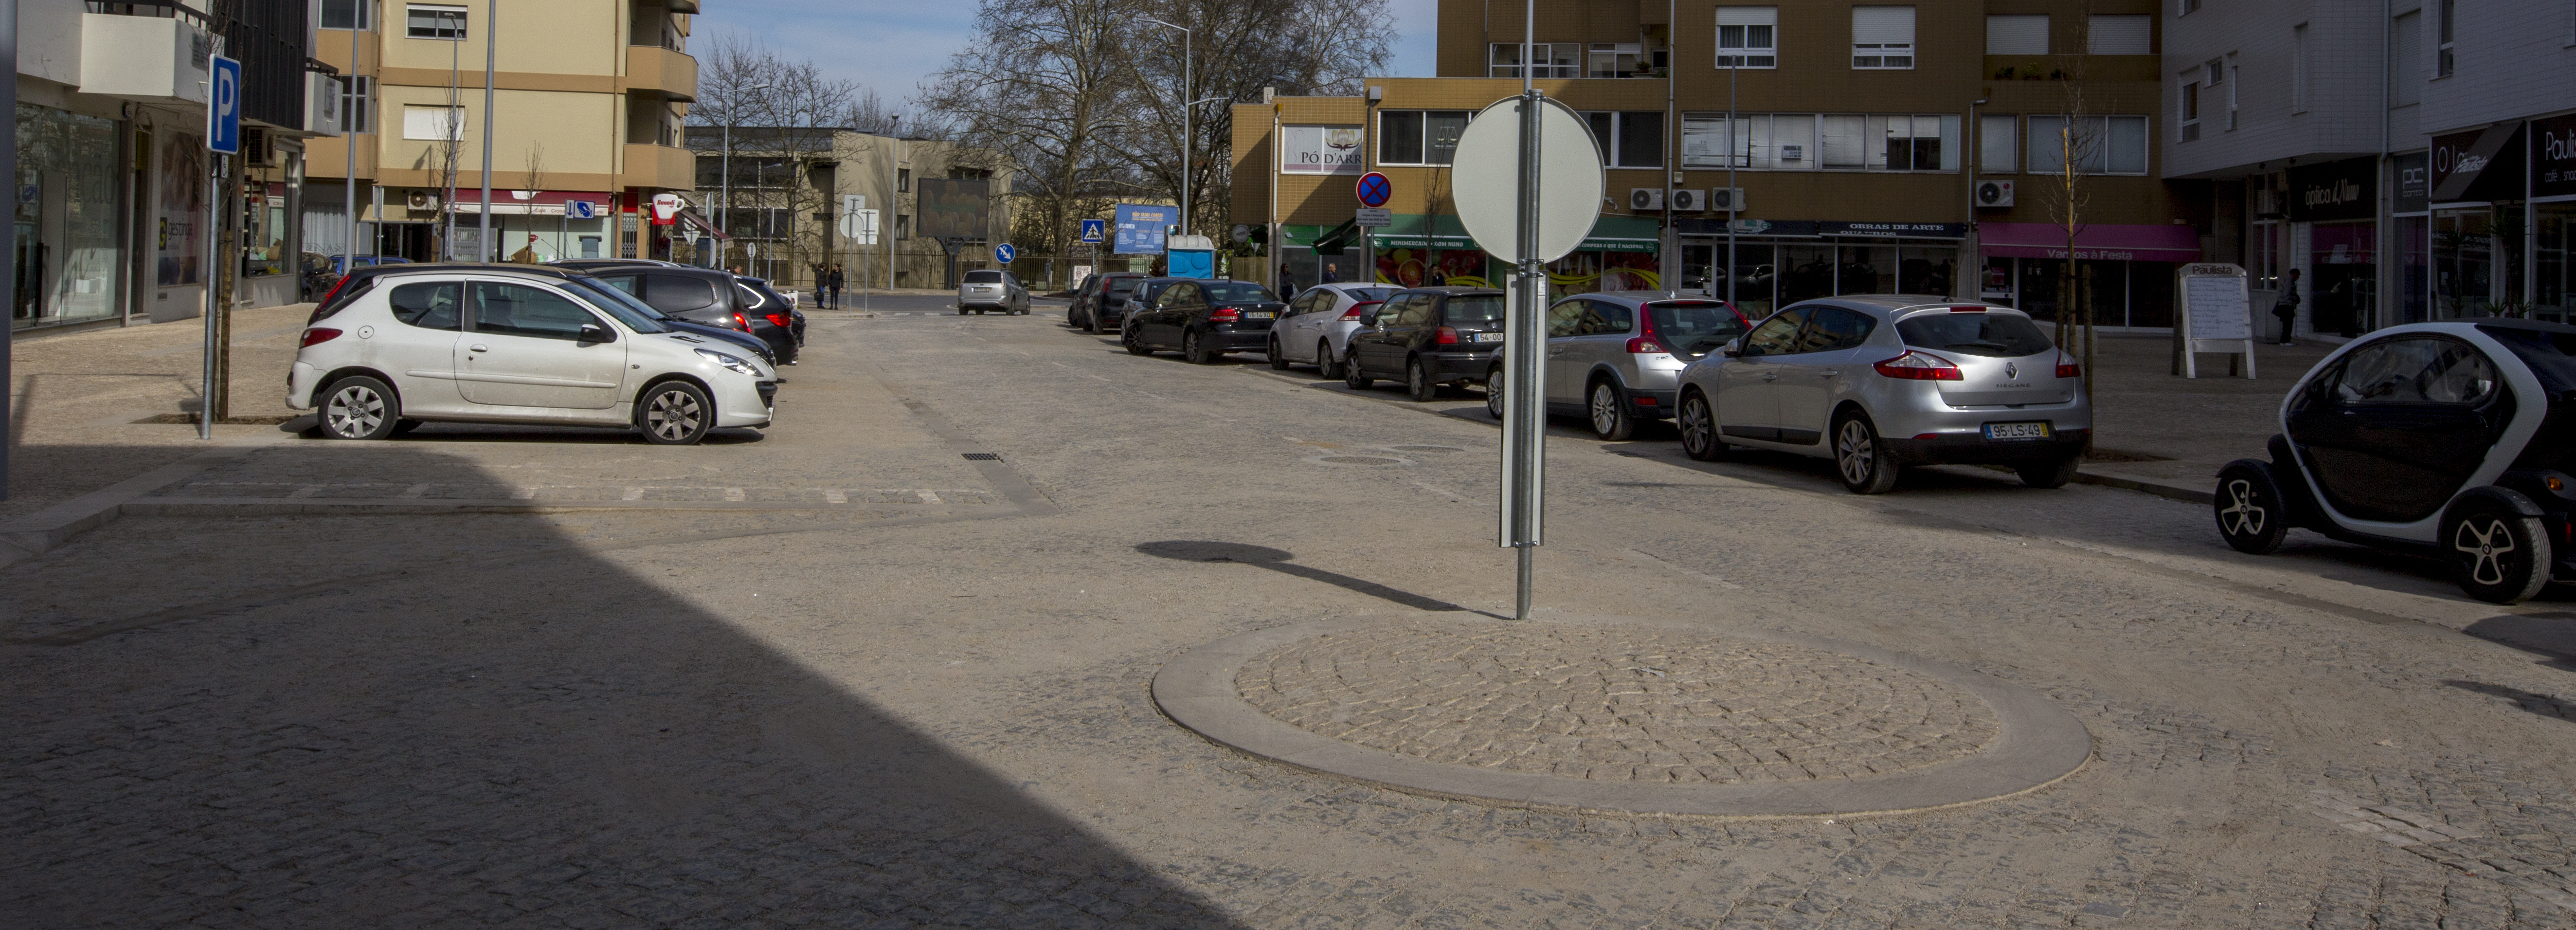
pixel 661 70
pixel 661 167
pixel 146 59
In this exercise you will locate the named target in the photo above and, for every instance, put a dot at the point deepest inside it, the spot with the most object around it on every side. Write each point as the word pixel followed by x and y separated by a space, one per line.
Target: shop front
pixel 1775 263
pixel 70 207
pixel 2123 274
pixel 2476 234
pixel 2338 204
pixel 2553 208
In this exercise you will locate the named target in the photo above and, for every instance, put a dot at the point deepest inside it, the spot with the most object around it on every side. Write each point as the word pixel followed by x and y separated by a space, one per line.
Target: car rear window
pixel 1370 293
pixel 1694 326
pixel 1994 335
pixel 1121 287
pixel 1475 311
pixel 1226 292
pixel 983 277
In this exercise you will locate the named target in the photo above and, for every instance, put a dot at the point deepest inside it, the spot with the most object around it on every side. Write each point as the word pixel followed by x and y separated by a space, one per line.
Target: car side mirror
pixel 1734 348
pixel 593 334
pixel 1369 319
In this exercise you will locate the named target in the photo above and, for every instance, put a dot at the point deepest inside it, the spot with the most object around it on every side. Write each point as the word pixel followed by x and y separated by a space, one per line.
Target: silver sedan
pixel 1879 382
pixel 987 289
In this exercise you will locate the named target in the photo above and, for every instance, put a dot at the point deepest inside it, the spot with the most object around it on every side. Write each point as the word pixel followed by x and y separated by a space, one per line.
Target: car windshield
pixel 634 313
pixel 1476 311
pixel 1694 326
pixel 1229 292
pixel 1995 335
pixel 983 277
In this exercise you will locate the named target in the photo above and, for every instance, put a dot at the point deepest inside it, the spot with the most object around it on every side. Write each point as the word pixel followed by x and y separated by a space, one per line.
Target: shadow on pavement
pixel 1277 560
pixel 526 738
pixel 2546 705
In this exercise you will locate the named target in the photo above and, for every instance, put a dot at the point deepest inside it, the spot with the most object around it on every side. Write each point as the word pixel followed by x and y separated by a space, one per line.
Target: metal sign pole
pixel 9 235
pixel 1524 413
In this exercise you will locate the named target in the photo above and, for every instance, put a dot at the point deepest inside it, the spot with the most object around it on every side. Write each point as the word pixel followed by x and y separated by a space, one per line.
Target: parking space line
pixel 733 494
pixel 632 494
pixel 835 496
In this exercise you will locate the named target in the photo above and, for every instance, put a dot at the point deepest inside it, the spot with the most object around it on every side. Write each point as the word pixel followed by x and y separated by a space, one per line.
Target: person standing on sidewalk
pixel 1287 283
pixel 1332 273
pixel 832 288
pixel 2287 309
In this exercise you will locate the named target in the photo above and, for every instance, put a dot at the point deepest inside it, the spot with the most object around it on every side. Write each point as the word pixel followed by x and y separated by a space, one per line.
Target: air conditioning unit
pixel 421 200
pixel 1686 200
pixel 1994 194
pixel 1643 199
pixel 1725 198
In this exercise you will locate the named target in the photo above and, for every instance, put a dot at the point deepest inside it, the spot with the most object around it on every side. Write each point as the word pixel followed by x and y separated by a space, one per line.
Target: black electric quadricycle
pixel 2453 440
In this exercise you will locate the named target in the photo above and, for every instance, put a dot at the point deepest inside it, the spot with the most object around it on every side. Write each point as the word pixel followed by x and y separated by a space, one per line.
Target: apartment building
pixel 113 190
pixel 2413 161
pixel 588 102
pixel 1859 136
pixel 791 186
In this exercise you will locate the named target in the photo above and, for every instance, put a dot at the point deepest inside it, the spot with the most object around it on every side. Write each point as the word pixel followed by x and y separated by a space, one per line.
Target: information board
pixel 1141 228
pixel 2216 315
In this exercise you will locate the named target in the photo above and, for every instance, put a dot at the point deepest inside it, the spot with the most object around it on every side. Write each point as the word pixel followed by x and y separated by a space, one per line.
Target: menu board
pixel 2217 305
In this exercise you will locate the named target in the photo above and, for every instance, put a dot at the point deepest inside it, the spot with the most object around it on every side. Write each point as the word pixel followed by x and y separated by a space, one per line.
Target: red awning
pixel 2098 242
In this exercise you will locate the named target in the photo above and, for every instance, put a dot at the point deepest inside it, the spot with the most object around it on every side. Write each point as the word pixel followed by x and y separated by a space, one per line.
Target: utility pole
pixel 894 195
pixel 8 231
pixel 1188 103
pixel 491 43
pixel 349 127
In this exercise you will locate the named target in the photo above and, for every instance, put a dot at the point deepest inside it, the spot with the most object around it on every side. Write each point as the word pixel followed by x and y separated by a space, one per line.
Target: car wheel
pixel 1193 350
pixel 961 310
pixel 1357 379
pixel 1494 393
pixel 405 426
pixel 1091 321
pixel 1278 357
pixel 2249 508
pixel 2497 554
pixel 1699 429
pixel 1610 417
pixel 1135 344
pixel 675 413
pixel 2054 473
pixel 1859 459
pixel 1327 364
pixel 359 407
pixel 1417 381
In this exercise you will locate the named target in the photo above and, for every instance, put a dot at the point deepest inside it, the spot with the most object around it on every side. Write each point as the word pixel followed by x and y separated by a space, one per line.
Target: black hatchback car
pixel 2454 440
pixel 1205 319
pixel 711 297
pixel 1428 336
pixel 1102 300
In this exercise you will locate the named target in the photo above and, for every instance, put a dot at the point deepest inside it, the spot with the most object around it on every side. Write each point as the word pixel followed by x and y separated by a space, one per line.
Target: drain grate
pixel 983 456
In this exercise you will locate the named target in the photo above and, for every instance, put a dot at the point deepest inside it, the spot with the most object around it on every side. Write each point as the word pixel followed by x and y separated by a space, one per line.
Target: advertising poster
pixel 1141 228
pixel 180 213
pixel 1319 149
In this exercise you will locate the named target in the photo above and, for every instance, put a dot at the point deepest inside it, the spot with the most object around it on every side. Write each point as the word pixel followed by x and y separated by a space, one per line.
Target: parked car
pixel 708 297
pixel 489 344
pixel 1140 295
pixel 1100 301
pixel 1617 357
pixel 589 264
pixel 1428 336
pixel 368 261
pixel 779 308
pixel 2449 440
pixel 1318 326
pixel 1204 319
pixel 1880 382
pixel 989 289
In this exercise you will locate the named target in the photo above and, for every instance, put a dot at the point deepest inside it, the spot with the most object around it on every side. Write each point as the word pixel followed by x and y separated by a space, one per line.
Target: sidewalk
pixel 2165 434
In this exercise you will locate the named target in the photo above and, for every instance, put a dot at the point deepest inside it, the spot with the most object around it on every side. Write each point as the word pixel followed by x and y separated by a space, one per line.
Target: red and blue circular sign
pixel 1374 190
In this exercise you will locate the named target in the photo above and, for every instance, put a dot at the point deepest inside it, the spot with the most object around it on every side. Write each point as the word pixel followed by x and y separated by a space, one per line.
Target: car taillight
pixel 1224 315
pixel 1644 345
pixel 741 322
pixel 318 335
pixel 2067 369
pixel 1353 314
pixel 326 298
pixel 780 320
pixel 1919 366
pixel 1447 336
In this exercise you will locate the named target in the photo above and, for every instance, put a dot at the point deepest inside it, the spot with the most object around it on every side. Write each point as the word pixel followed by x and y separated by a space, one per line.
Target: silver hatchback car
pixel 987 289
pixel 1317 329
pixel 1879 382
pixel 1616 357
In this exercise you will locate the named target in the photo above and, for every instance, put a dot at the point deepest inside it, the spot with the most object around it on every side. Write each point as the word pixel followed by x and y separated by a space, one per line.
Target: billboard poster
pixel 1141 227
pixel 178 253
pixel 954 208
pixel 1319 149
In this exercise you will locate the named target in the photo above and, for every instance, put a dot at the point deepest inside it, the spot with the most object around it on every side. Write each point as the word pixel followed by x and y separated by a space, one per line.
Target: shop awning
pixel 1612 233
pixel 2098 242
pixel 1615 233
pixel 698 221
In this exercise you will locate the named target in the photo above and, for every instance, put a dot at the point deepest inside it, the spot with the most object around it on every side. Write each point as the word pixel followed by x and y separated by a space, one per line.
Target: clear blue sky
pixel 890 45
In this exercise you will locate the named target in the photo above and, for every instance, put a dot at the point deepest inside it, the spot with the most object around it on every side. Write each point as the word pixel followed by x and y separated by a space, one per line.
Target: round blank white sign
pixel 1484 179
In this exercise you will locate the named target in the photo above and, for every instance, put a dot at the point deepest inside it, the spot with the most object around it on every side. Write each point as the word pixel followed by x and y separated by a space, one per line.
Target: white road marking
pixel 928 497
pixel 305 490
pixel 835 496
pixel 632 494
pixel 417 490
pixel 733 494
pixel 1711 579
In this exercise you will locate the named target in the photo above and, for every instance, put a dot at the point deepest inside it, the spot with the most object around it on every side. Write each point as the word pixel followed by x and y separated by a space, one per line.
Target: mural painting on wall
pixel 1413 267
pixel 1586 272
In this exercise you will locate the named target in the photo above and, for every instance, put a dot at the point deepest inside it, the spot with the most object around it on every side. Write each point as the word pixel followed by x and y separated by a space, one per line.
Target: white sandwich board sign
pixel 2216 315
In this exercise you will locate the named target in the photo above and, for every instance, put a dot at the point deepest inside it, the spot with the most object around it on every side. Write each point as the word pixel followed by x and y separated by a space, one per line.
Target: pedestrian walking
pixel 1287 283
pixel 1332 273
pixel 1438 277
pixel 2287 309
pixel 832 287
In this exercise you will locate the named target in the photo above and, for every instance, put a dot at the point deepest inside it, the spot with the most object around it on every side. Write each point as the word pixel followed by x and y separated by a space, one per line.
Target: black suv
pixel 1205 319
pixel 1429 336
pixel 710 297
pixel 1101 300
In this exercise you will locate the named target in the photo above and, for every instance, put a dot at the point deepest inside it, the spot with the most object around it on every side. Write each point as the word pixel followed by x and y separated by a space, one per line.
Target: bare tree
pixel 2078 141
pixel 1040 88
pixel 782 114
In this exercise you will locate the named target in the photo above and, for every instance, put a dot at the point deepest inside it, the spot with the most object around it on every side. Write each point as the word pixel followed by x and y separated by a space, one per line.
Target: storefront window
pixel 68 206
pixel 1806 273
pixel 2415 273
pixel 2552 274
pixel 2464 258
pixel 1926 269
pixel 1757 277
pixel 1865 269
pixel 2343 283
pixel 2151 294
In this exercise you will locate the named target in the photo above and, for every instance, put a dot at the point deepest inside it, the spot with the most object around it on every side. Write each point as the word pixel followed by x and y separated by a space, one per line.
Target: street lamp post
pixel 1186 140
pixel 483 244
pixel 726 220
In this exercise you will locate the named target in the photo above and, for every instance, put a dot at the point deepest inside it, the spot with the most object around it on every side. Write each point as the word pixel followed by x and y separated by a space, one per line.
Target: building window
pixel 2231 80
pixel 2017 35
pixel 1632 139
pixel 2120 35
pixel 1882 37
pixel 1748 37
pixel 2299 68
pixel 903 226
pixel 2406 36
pixel 1996 143
pixel 1812 141
pixel 357 99
pixel 2099 145
pixel 434 22
pixel 1419 137
pixel 349 14
pixel 902 181
pixel 1553 59
pixel 2448 12
pixel 2189 7
pixel 2190 112
pixel 1618 60
pixel 437 124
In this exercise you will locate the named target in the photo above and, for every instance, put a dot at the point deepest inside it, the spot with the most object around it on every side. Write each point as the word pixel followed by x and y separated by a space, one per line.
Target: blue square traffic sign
pixel 223 105
pixel 1095 230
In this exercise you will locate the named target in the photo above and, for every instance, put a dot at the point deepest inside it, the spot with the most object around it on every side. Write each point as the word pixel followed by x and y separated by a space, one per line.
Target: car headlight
pixel 728 362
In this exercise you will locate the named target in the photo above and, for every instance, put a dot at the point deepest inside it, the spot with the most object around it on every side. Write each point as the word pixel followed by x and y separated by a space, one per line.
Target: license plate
pixel 1488 337
pixel 1259 315
pixel 2017 431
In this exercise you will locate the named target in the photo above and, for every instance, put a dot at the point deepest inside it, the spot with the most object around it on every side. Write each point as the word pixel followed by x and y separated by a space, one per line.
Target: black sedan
pixel 1428 336
pixel 1100 300
pixel 1205 319
pixel 2452 440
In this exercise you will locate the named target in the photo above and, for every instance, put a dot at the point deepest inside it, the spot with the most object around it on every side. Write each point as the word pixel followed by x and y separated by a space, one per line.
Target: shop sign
pixel 2553 152
pixel 1921 230
pixel 2335 190
pixel 2482 164
pixel 1319 149
pixel 2414 182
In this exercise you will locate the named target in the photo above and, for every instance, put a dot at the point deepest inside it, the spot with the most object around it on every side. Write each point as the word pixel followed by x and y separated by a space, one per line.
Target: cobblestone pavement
pixel 1616 704
pixel 804 718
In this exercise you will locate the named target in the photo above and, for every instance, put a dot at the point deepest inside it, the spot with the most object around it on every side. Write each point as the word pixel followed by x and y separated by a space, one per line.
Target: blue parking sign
pixel 223 105
pixel 1004 253
pixel 1093 231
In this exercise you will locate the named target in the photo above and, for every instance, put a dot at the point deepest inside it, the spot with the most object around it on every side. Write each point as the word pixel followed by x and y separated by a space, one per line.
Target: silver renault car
pixel 1879 382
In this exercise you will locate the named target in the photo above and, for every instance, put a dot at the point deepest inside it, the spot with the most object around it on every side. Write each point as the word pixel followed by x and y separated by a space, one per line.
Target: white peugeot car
pixel 484 344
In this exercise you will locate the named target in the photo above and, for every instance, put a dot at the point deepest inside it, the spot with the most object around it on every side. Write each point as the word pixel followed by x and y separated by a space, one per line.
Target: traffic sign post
pixel 1094 231
pixel 223 138
pixel 1545 155
pixel 1003 253
pixel 1374 189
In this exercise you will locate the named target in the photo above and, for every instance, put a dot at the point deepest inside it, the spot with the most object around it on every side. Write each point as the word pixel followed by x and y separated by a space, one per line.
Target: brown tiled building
pixel 1857 135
